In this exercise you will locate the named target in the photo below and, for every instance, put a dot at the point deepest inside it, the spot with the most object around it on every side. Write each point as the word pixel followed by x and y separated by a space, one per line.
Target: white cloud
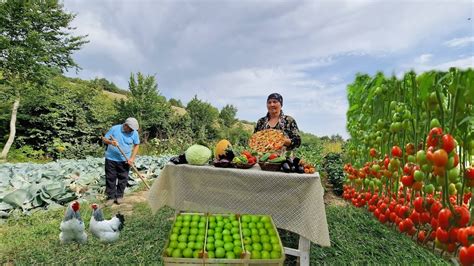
pixel 237 52
pixel 460 42
pixel 423 59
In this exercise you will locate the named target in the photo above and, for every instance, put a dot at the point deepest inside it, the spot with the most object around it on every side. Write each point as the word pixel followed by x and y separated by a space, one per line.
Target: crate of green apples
pixel 231 239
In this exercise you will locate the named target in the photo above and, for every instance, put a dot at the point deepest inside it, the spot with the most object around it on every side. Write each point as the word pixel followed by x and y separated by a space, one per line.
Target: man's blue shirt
pixel 125 140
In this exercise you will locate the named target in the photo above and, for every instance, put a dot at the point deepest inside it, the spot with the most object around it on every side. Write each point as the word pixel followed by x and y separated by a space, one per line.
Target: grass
pixel 356 238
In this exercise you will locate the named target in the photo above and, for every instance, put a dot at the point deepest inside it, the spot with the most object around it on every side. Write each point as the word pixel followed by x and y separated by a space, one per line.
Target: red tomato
pixel 435 208
pixel 470 173
pixel 273 156
pixel 396 151
pixel 466 255
pixel 418 204
pixel 410 148
pixel 462 216
pixel 247 154
pixel 407 180
pixel 442 235
pixel 440 157
pixel 448 143
pixel 421 236
pixel 444 217
pixel 373 152
pixel 462 236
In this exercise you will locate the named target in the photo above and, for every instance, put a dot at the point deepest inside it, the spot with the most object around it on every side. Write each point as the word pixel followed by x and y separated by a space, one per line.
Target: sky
pixel 239 51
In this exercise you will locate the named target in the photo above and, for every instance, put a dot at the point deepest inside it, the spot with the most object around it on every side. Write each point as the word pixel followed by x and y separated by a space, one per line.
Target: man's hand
pixel 110 142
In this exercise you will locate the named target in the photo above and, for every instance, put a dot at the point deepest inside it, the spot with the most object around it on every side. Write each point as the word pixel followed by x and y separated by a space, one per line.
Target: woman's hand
pixel 287 142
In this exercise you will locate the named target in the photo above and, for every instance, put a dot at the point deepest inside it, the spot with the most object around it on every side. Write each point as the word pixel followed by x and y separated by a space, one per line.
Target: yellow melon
pixel 221 148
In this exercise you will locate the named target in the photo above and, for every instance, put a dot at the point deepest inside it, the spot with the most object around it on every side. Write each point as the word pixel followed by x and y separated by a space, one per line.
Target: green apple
pixel 275 254
pixel 169 252
pixel 210 246
pixel 178 224
pixel 255 255
pixel 265 255
pixel 182 245
pixel 265 239
pixel 228 238
pixel 219 243
pixel 211 254
pixel 229 246
pixel 257 246
pixel 191 245
pixel 274 240
pixel 248 247
pixel 187 217
pixel 177 253
pixel 196 217
pixel 210 239
pixel 220 252
pixel 230 255
pixel 237 251
pixel 246 218
pixel 276 247
pixel 179 218
pixel 173 244
pixel 183 238
pixel 187 253
pixel 174 237
pixel 267 247
pixel 199 245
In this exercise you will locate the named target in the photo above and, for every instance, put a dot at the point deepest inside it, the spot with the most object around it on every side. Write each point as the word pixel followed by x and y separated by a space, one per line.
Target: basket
pixel 265 166
pixel 244 166
pixel 221 164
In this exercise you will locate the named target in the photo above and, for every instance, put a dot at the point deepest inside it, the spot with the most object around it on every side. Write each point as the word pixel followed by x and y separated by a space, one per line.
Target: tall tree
pixel 147 105
pixel 204 119
pixel 227 115
pixel 35 42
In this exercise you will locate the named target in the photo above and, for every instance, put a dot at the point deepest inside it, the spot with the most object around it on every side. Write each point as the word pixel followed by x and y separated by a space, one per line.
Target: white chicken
pixel 106 230
pixel 72 227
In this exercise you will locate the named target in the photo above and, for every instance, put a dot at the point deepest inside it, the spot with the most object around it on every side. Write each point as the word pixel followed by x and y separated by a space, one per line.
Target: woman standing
pixel 275 119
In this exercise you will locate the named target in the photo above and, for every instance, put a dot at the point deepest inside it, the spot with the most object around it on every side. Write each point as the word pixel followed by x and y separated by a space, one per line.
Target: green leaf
pixel 17 198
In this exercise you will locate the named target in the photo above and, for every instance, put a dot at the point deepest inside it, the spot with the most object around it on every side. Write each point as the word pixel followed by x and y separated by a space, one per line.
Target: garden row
pixel 411 155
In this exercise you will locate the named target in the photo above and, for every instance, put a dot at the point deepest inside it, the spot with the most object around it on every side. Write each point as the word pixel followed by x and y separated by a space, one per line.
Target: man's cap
pixel 132 123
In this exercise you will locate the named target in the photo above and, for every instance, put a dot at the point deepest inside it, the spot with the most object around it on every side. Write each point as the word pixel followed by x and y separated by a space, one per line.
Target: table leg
pixel 302 252
pixel 304 247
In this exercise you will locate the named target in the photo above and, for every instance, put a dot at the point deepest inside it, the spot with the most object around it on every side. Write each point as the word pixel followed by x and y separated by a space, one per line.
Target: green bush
pixel 26 154
pixel 332 165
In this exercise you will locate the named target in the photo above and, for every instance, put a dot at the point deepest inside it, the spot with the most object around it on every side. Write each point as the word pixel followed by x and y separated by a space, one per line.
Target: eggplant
pixel 300 169
pixel 180 159
pixel 286 167
pixel 296 162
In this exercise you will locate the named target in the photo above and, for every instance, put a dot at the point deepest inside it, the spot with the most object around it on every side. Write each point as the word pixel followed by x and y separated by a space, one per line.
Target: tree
pixel 175 102
pixel 35 42
pixel 227 115
pixel 204 119
pixel 147 105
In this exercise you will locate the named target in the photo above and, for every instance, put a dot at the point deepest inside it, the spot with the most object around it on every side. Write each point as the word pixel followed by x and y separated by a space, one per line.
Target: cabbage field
pixel 27 187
